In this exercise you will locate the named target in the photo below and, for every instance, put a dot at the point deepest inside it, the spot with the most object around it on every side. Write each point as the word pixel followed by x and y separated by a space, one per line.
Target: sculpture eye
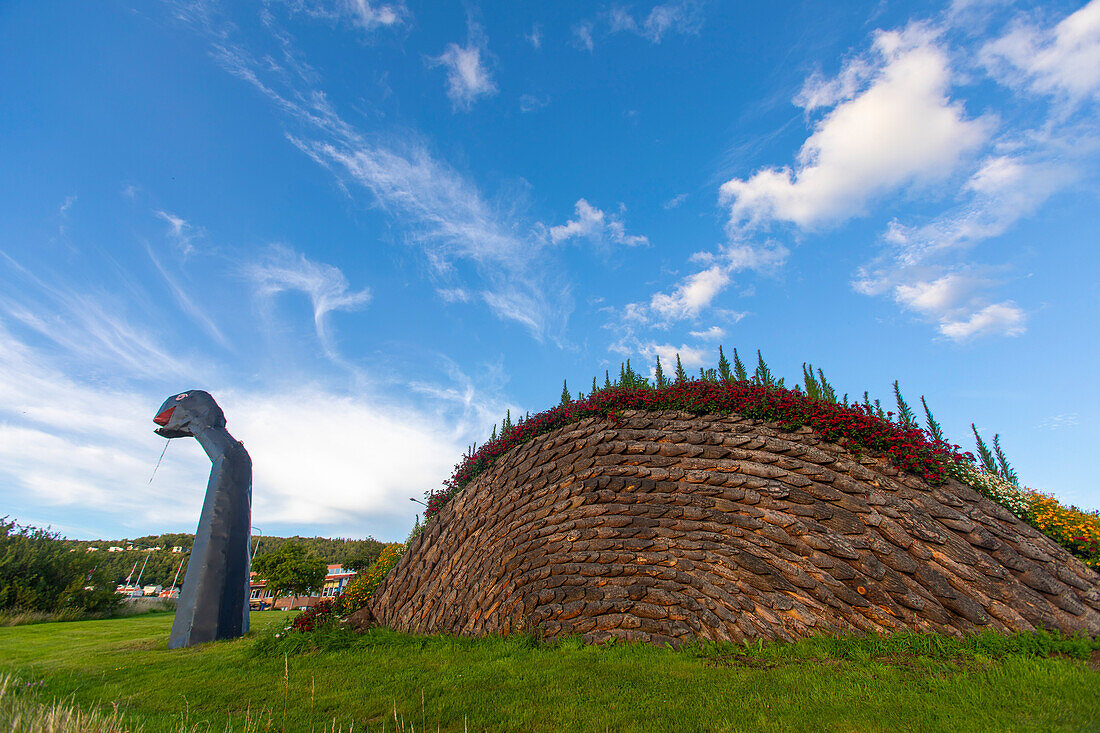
pixel 180 397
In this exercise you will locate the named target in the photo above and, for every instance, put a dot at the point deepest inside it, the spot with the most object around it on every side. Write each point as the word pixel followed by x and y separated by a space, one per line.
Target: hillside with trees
pixel 154 553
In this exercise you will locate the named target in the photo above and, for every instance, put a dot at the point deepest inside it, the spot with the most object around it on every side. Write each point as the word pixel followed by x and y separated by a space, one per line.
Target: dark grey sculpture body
pixel 214 601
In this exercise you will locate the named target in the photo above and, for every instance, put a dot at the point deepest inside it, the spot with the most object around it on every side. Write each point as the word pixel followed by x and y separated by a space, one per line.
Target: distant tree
pixel 827 391
pixel 763 375
pixel 813 387
pixel 659 378
pixel 724 372
pixel 905 415
pixel 933 427
pixel 681 375
pixel 1005 469
pixel 362 558
pixel 739 371
pixel 630 379
pixel 595 389
pixel 989 463
pixel 292 569
pixel 565 398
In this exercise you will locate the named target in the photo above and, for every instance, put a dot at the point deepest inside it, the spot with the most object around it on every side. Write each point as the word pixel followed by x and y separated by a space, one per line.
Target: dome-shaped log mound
pixel 663 526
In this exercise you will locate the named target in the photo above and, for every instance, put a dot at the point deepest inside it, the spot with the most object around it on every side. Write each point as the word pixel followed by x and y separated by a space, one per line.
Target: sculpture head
pixel 187 414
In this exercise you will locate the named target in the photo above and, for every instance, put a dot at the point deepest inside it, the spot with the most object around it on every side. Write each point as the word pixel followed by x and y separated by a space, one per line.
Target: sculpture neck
pixel 216 441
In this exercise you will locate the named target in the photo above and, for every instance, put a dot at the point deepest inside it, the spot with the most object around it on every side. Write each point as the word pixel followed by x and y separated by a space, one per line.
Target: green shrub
pixel 39 573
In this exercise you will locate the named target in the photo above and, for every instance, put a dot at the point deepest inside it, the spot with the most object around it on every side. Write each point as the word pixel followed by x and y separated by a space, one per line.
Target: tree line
pixel 161 565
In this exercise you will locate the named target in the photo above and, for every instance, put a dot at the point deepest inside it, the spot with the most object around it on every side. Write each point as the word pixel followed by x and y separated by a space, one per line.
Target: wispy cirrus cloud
pixel 444 212
pixel 186 302
pixel 179 230
pixel 284 270
pixel 81 374
pixel 97 327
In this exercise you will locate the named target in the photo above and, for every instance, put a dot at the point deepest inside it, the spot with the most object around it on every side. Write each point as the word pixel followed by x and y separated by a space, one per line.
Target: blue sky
pixel 371 228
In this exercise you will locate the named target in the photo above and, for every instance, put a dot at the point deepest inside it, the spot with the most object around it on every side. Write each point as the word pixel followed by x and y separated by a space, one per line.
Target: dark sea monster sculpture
pixel 214 601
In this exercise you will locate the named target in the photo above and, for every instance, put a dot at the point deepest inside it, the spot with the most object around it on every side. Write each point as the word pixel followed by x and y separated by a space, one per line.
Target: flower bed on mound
pixel 908 448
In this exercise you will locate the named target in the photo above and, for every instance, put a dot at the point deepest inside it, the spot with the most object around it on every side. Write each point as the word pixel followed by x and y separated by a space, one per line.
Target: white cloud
pixel 938 296
pixel 1063 61
pixel 284 270
pixel 467 76
pixel 900 129
pixel 1002 191
pixel 679 16
pixel 67 442
pixel 535 36
pixel 1004 319
pixel 369 17
pixel 362 14
pixel 714 333
pixel 531 102
pixel 691 296
pixel 956 301
pixel 650 350
pixel 1056 422
pixel 181 232
pixel 762 258
pixel 454 295
pixel 582 36
pixel 689 356
pixel 453 220
pixel 675 201
pixel 696 293
pixel 309 448
pixel 819 91
pixel 596 226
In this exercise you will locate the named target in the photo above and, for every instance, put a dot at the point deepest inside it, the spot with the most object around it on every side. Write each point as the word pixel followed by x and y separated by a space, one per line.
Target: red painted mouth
pixel 163 418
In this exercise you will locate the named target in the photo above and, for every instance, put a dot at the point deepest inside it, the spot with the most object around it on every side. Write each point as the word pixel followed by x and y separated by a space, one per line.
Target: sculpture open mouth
pixel 164 431
pixel 163 418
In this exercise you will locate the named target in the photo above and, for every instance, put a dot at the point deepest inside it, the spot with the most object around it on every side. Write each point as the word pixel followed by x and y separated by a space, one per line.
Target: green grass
pixel 17 617
pixel 904 683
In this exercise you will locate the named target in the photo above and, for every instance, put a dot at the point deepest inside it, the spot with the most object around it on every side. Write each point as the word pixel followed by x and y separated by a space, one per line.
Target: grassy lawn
pixel 907 683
